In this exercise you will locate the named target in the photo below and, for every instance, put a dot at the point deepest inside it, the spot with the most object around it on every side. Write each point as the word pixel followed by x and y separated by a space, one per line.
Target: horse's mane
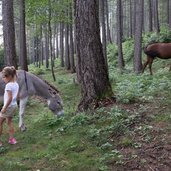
pixel 51 86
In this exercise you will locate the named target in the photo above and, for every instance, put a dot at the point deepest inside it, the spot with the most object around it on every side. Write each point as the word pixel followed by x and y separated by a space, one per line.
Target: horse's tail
pixel 145 49
pixel 146 46
pixel 150 52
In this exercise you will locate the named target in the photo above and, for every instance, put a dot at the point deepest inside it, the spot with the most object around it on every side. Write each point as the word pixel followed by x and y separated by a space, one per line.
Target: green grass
pixel 87 141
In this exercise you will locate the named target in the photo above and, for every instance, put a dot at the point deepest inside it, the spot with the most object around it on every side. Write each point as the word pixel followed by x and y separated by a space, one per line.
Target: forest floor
pixel 131 133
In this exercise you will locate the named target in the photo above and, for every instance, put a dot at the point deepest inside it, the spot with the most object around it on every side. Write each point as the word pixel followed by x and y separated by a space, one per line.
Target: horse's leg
pixel 21 113
pixel 150 65
pixel 145 65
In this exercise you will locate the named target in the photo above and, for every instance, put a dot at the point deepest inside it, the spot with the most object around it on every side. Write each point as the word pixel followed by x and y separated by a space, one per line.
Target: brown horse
pixel 160 50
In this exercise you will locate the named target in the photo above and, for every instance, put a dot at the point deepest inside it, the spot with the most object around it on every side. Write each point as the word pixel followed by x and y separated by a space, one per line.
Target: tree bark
pixel 92 70
pixel 150 16
pixel 156 16
pixel 41 45
pixel 17 39
pixel 125 19
pixel 62 43
pixel 102 12
pixel 32 47
pixel 46 47
pixel 67 57
pixel 134 17
pixel 130 15
pixel 37 47
pixel 53 41
pixel 23 46
pixel 9 33
pixel 50 39
pixel 138 36
pixel 169 14
pixel 57 44
pixel 119 33
pixel 109 40
pixel 71 49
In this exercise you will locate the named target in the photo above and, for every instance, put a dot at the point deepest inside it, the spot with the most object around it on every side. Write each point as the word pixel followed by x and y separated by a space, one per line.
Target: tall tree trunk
pixel 119 33
pixel 50 39
pixel 37 48
pixel 125 19
pixel 23 46
pixel 138 36
pixel 17 40
pixel 62 43
pixel 169 14
pixel 102 12
pixel 143 25
pixel 109 40
pixel 41 45
pixel 92 70
pixel 156 16
pixel 29 52
pixel 72 62
pixel 57 49
pixel 46 47
pixel 32 46
pixel 9 33
pixel 130 15
pixel 134 17
pixel 150 16
pixel 67 57
pixel 53 42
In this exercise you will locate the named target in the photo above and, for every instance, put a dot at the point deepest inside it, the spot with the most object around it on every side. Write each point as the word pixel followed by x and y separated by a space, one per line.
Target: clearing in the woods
pixel 132 132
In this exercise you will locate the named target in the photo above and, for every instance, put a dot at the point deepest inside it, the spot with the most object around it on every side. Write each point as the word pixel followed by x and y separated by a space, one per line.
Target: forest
pixel 110 62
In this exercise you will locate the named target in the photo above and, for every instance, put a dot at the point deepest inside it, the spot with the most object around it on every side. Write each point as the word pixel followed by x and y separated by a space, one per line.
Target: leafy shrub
pixel 128 50
pixel 163 36
pixel 79 120
pixel 112 53
pixel 131 88
pixel 36 70
pixel 55 122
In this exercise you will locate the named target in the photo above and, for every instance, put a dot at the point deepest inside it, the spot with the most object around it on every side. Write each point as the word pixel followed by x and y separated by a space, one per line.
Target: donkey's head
pixel 55 104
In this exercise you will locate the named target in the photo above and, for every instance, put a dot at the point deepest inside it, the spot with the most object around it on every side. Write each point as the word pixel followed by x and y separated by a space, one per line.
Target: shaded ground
pixel 153 150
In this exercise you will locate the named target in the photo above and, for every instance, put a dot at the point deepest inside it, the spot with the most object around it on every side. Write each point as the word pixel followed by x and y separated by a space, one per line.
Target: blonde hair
pixel 9 71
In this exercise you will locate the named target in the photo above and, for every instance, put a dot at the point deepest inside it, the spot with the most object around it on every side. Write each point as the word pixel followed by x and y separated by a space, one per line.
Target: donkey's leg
pixel 21 113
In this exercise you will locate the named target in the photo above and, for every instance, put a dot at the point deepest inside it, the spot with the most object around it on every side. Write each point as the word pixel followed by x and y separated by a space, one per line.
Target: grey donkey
pixel 31 85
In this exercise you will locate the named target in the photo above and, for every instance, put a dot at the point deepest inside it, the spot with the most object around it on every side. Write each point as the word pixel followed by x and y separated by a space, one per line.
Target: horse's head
pixel 55 104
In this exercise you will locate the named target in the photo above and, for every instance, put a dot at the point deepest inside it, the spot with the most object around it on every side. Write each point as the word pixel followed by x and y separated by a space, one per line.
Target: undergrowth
pixel 93 140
